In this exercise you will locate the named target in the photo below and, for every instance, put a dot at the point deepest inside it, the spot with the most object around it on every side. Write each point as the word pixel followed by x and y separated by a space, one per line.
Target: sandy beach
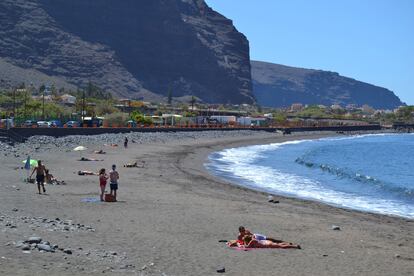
pixel 172 214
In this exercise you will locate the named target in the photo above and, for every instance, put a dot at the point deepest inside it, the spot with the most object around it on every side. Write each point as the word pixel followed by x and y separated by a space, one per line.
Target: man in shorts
pixel 40 170
pixel 113 178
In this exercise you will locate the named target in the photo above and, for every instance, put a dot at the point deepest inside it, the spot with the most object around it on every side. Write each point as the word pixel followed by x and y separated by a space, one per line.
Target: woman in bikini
pixel 250 242
pixel 103 178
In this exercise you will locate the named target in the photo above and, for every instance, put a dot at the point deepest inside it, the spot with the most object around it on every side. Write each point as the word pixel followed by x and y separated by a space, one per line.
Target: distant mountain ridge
pixel 131 48
pixel 277 85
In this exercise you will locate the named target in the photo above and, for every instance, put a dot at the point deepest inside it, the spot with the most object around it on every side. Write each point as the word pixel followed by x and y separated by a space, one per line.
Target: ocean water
pixel 372 173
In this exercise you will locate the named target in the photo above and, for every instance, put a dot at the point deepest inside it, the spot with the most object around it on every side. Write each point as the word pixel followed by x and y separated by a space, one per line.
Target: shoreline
pixel 172 213
pixel 203 171
pixel 303 137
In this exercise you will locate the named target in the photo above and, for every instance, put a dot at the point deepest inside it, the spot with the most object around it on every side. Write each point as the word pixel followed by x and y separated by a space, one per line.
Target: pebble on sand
pixel 336 227
pixel 67 251
pixel 34 240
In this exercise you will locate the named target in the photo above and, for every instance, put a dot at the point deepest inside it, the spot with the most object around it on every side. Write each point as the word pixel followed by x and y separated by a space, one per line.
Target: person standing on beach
pixel 126 142
pixel 40 170
pixel 113 178
pixel 103 178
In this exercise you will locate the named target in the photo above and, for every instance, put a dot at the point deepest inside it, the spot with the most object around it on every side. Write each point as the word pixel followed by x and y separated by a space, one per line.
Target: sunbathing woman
pixel 134 165
pixel 250 242
pixel 88 159
pixel 131 165
pixel 86 173
pixel 99 152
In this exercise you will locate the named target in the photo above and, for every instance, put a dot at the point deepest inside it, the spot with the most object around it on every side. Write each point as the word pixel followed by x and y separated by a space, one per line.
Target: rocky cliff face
pixel 131 48
pixel 280 86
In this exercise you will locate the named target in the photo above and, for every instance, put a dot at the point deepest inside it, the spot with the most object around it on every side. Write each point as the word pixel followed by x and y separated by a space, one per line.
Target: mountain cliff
pixel 130 48
pixel 280 86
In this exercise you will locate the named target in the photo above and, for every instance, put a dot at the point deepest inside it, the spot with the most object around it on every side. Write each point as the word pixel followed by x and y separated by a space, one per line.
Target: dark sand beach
pixel 172 213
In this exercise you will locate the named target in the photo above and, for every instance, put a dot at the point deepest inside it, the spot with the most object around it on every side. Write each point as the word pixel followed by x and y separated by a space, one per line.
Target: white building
pixel 68 99
pixel 224 119
pixel 252 121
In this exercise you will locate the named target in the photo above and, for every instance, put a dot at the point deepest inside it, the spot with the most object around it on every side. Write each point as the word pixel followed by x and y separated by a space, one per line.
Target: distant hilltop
pixel 277 85
pixel 133 49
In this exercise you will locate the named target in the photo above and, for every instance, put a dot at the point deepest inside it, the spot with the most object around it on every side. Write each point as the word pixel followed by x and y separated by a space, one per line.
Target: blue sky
pixel 368 40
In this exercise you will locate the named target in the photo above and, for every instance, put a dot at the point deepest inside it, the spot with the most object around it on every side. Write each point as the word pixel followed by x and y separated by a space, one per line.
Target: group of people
pixel 247 239
pixel 113 181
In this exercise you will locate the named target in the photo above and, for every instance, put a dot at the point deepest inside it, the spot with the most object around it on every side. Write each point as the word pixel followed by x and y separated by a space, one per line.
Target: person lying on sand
pixel 134 165
pixel 88 159
pixel 99 152
pixel 250 242
pixel 86 173
pixel 243 232
pixel 111 145
pixel 131 165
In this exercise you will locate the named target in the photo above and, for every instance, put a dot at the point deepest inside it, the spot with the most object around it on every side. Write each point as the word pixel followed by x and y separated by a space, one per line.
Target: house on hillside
pixel 296 107
pixel 67 99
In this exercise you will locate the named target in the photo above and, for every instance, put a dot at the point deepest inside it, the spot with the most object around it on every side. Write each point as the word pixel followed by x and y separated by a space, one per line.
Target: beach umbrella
pixel 29 163
pixel 80 149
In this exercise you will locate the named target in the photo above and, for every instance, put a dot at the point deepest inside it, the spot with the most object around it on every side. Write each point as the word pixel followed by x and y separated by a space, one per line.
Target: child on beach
pixel 103 178
pixel 113 177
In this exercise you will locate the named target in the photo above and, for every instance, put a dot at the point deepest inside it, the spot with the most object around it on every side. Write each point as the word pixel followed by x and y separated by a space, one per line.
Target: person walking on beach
pixel 113 178
pixel 126 142
pixel 103 178
pixel 40 170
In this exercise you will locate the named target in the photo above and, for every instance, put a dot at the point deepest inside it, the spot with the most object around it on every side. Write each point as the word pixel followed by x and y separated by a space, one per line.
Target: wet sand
pixel 172 213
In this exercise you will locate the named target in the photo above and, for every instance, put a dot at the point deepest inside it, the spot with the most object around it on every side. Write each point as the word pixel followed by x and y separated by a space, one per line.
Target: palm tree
pixel 193 101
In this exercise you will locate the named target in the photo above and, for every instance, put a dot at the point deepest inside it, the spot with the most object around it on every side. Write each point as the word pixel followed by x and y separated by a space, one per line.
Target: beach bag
pixel 109 198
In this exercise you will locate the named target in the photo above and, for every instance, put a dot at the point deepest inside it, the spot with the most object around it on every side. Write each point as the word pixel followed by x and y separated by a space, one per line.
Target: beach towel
pixel 239 245
pixel 91 199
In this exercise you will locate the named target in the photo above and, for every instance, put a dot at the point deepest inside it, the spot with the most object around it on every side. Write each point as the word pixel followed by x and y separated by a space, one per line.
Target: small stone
pixel 397 256
pixel 20 244
pixel 15 209
pixel 45 242
pixel 26 247
pixel 67 251
pixel 221 270
pixel 45 247
pixel 66 228
pixel 35 240
pixel 336 228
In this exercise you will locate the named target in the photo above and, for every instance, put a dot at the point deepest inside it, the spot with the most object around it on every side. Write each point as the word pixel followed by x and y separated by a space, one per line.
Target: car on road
pixel 29 123
pixel 43 124
pixel 55 123
pixel 72 124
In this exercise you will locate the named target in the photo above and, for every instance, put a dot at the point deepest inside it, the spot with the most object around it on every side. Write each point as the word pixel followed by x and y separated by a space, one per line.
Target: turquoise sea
pixel 373 173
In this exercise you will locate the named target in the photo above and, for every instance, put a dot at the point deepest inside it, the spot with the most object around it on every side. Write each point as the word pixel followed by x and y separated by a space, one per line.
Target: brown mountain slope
pixel 131 48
